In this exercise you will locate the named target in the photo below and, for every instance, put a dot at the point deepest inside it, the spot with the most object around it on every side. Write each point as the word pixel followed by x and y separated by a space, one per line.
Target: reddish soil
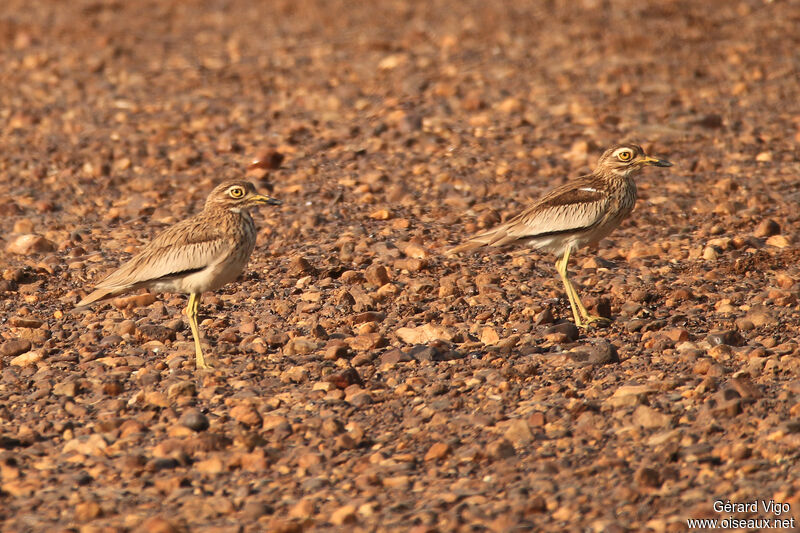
pixel 364 381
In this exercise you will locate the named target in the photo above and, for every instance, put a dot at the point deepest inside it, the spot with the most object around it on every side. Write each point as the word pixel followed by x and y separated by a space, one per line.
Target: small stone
pixel 303 509
pixel 424 334
pixel 362 359
pixel 88 445
pixel 710 253
pixel 397 482
pixel 381 214
pixel 25 322
pixel 70 389
pixel 647 477
pixel 212 465
pixel 489 336
pixel 181 389
pixel 156 524
pixel 361 399
pixel 295 374
pixel 300 266
pixel 710 121
pixel 299 346
pixel 194 420
pixel 630 395
pixel 500 449
pixel 727 338
pixel 253 510
pixel 567 330
pixel 544 317
pixel 267 159
pixel 368 316
pixel 137 300
pixel 343 515
pixel 603 353
pixel 14 347
pixel 336 349
pixel 761 315
pixel 345 378
pixel 27 358
pixel 779 241
pixel 377 275
pixel 367 342
pixel 86 511
pixel 745 387
pixel 246 413
pixel 395 356
pixel 767 228
pixel 649 418
pixel 518 433
pixel 30 244
pixel 437 451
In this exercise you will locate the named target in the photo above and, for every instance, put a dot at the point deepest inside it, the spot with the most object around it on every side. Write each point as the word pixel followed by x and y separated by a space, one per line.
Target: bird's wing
pixel 577 205
pixel 185 247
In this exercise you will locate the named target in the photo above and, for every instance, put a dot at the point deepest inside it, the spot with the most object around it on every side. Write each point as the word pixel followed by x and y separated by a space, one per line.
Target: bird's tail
pixel 498 236
pixel 102 293
pixel 470 245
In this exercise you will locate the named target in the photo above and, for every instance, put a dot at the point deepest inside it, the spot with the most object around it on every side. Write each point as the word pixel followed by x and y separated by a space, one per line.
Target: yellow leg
pixel 579 312
pixel 561 268
pixel 191 314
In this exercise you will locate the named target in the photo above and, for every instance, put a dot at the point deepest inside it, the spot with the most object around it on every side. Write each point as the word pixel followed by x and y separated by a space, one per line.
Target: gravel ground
pixel 363 380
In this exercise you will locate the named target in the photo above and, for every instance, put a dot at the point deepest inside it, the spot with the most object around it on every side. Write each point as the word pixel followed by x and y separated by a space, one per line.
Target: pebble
pixel 424 334
pixel 727 338
pixel 86 511
pixel 194 420
pixel 30 244
pixel 300 346
pixel 377 275
pixel 343 515
pixel 437 451
pixel 565 330
pixel 647 477
pixel 649 418
pixel 157 524
pixel 246 413
pixel 395 356
pixel 14 347
pixel 27 358
pixel 295 374
pixel 518 433
pixel 500 449
pixel 603 353
pixel 767 228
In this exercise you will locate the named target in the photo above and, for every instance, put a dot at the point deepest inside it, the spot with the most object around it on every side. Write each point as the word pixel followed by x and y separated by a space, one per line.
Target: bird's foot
pixel 594 321
pixel 200 363
pixel 204 366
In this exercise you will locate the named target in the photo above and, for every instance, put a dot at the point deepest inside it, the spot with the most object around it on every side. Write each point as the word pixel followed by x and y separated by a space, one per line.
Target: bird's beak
pixel 269 200
pixel 647 160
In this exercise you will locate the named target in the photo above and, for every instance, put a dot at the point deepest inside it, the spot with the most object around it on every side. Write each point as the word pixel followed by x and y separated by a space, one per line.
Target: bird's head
pixel 623 159
pixel 238 195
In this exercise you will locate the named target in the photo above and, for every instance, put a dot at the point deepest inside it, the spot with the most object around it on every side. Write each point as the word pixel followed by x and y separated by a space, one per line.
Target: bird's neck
pixel 242 212
pixel 623 174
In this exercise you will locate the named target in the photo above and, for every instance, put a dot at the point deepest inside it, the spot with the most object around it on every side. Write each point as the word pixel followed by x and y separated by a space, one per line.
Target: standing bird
pixel 201 253
pixel 580 212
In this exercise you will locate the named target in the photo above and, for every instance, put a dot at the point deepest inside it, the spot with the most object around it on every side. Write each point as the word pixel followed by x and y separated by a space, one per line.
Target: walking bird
pixel 199 254
pixel 578 213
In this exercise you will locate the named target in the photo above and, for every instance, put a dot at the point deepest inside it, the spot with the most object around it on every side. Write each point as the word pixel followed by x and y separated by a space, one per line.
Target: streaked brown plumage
pixel 578 213
pixel 198 254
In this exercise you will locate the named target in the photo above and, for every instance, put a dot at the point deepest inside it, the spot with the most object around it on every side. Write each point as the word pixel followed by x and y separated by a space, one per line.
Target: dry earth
pixel 364 381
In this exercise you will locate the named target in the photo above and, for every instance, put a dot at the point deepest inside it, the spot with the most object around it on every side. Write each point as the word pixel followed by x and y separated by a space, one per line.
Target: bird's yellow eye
pixel 236 192
pixel 625 155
